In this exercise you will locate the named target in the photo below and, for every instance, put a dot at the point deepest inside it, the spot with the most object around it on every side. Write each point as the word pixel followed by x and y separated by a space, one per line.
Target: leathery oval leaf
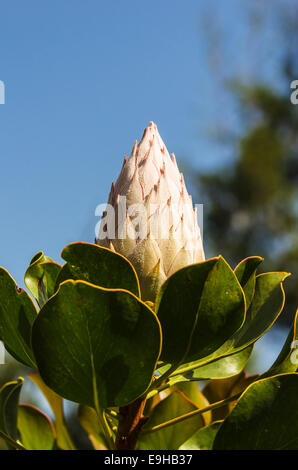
pixel 17 314
pixel 266 306
pixel 40 277
pixel 63 438
pixel 100 266
pixel 221 368
pixel 36 429
pixel 246 275
pixel 265 417
pixel 182 399
pixel 96 346
pixel 287 360
pixel 9 399
pixel 203 439
pixel 199 307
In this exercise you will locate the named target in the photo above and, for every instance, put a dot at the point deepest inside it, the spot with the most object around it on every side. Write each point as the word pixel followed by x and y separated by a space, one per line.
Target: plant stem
pixel 173 421
pixel 130 424
pixel 155 384
pixel 106 428
pixel 11 441
pixel 158 390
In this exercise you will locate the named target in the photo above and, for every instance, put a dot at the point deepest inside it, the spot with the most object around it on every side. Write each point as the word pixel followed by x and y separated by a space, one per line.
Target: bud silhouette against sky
pixel 150 217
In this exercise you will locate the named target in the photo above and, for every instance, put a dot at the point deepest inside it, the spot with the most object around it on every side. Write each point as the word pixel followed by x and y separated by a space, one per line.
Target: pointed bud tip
pixel 134 148
pixel 152 124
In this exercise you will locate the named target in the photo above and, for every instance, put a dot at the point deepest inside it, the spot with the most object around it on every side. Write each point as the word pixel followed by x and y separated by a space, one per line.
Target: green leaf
pixel 90 422
pixel 65 274
pixel 203 439
pixel 244 380
pixel 219 389
pixel 40 277
pixel 224 367
pixel 246 275
pixel 218 369
pixel 265 417
pixel 11 443
pixel 9 399
pixel 287 361
pixel 64 440
pixel 17 314
pixel 36 429
pixel 182 400
pixel 199 307
pixel 99 266
pixel 95 346
pixel 265 308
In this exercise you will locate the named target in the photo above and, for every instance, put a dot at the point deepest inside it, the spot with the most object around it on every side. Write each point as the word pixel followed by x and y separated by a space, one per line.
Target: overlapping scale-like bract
pixel 154 224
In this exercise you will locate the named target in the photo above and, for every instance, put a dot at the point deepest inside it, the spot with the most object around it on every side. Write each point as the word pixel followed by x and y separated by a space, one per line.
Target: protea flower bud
pixel 150 217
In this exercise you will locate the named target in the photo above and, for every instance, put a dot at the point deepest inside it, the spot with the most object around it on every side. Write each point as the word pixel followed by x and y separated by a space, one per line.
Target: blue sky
pixel 83 78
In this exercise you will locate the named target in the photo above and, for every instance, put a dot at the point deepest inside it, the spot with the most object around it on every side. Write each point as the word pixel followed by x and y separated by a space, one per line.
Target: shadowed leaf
pixel 246 275
pixel 9 399
pixel 89 421
pixel 265 417
pixel 184 399
pixel 287 361
pixel 17 314
pixel 36 429
pixel 64 440
pixel 99 266
pixel 205 304
pixel 40 277
pixel 203 439
pixel 95 346
pixel 224 367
